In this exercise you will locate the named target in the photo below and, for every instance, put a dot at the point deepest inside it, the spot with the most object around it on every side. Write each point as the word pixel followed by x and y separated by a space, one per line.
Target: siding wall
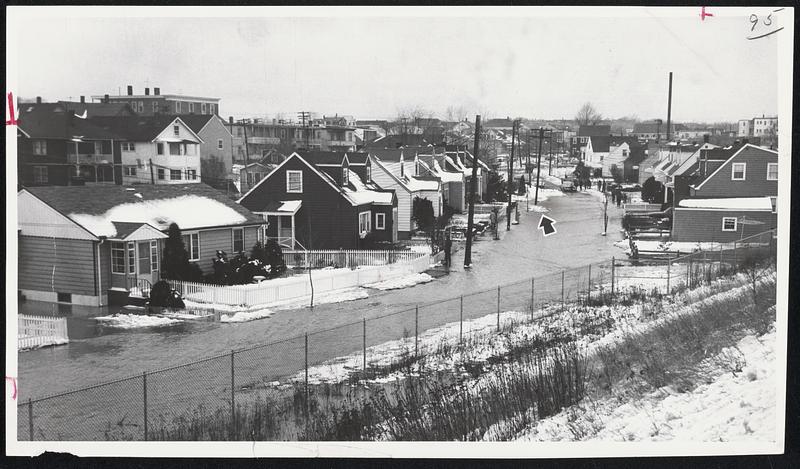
pixel 211 134
pixel 73 261
pixel 221 239
pixel 706 225
pixel 405 199
pixel 755 183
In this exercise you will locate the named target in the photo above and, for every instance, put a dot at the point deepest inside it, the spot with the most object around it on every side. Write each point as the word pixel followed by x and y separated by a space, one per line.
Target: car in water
pixel 567 185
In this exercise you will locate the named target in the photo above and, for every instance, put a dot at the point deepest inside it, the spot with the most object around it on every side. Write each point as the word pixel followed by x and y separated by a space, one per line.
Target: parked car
pixel 568 185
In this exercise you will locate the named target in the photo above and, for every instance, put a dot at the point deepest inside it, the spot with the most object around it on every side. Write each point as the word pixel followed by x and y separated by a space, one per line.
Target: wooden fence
pixel 281 289
pixel 347 257
pixel 40 331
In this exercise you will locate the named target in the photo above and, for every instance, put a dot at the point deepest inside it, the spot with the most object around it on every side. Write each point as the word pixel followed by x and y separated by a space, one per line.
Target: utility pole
pixel 669 108
pixel 303 115
pixel 511 175
pixel 472 184
pixel 550 148
pixel 152 177
pixel 246 150
pixel 538 166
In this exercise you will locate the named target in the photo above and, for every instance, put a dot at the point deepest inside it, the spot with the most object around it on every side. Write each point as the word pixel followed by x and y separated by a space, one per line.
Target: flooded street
pixel 98 353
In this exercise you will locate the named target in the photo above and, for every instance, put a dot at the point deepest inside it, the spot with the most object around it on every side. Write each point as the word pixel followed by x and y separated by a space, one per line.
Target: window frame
pixel 155 107
pixel 153 256
pixel 128 146
pixel 176 145
pixel 41 175
pixel 345 175
pixel 192 245
pixel 176 130
pixel 772 165
pixel 173 172
pixel 289 173
pixel 118 249
pixel 219 144
pixel 202 108
pixel 774 201
pixel 380 221
pixel 129 171
pixel 131 257
pixel 159 148
pixel 735 224
pixel 233 239
pixel 733 171
pixel 161 174
pixel 364 221
pixel 40 147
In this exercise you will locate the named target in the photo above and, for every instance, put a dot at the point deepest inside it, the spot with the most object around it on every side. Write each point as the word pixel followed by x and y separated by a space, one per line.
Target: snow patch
pixel 135 321
pixel 401 282
pixel 245 316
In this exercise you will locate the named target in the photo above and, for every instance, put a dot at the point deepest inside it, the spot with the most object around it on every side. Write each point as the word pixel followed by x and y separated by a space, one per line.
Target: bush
pixel 163 295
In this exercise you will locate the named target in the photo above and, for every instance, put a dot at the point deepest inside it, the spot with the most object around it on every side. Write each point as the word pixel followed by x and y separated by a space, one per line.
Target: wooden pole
pixel 152 176
pixel 538 166
pixel 30 419
pixel 472 189
pixel 511 175
pixel 498 308
pixel 144 401
pixel 612 277
pixel 416 331
pixel 364 343
pixel 233 398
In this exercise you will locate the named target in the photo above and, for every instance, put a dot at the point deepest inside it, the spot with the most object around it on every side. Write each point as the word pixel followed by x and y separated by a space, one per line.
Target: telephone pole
pixel 538 166
pixel 511 175
pixel 243 123
pixel 305 117
pixel 472 184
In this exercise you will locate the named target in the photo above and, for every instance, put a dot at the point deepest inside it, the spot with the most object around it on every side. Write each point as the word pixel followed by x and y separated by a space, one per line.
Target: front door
pixel 147 260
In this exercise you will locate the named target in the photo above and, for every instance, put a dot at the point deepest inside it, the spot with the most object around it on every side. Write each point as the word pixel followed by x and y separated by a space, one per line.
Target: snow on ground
pixel 423 248
pixel 336 296
pixel 599 195
pixel 401 282
pixel 35 342
pixel 669 246
pixel 246 316
pixel 544 194
pixel 733 405
pixel 135 321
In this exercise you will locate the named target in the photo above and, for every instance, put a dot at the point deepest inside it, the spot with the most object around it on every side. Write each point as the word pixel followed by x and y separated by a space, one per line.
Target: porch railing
pixel 38 331
pixel 139 287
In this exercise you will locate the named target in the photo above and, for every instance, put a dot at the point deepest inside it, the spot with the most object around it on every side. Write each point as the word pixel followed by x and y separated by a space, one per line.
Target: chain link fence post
pixel 563 308
pixel 669 264
pixel 30 419
pixel 461 321
pixel 364 343
pixel 416 332
pixel 533 296
pixel 144 401
pixel 305 380
pixel 613 267
pixel 233 399
pixel 498 309
pixel 589 291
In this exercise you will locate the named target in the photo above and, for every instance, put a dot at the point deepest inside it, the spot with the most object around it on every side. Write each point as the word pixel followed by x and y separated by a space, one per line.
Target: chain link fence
pixel 272 386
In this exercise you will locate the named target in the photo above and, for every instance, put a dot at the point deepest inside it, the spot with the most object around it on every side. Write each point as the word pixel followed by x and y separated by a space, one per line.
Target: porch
pixel 135 257
pixel 281 222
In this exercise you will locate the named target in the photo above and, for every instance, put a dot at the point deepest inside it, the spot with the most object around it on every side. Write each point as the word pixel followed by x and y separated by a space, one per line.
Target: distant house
pixel 324 200
pixel 584 133
pixel 656 130
pixel 608 155
pixel 391 170
pixel 56 147
pixel 459 158
pixel 216 142
pixel 156 149
pixel 148 104
pixel 251 174
pixel 84 244
pixel 397 141
pixel 595 152
pixel 730 200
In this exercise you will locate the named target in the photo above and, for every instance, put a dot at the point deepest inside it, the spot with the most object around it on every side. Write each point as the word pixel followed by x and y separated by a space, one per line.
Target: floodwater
pixel 97 353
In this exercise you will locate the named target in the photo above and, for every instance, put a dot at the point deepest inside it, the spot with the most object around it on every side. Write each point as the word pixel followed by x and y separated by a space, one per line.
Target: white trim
pixel 233 240
pixel 776 169
pixel 368 223
pixel 722 209
pixel 294 171
pixel 189 247
pixel 731 159
pixel 744 172
pixel 378 224
pixel 397 180
pixel 735 223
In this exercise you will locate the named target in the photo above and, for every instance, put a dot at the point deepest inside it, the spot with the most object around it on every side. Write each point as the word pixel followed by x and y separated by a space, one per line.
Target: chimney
pixel 83 99
pixel 705 138
pixel 230 120
pixel 38 100
pixel 106 99
pixel 147 91
pixel 156 91
pixel 130 90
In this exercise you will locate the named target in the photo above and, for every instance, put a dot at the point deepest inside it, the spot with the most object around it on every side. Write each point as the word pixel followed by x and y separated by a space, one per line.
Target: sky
pixel 377 66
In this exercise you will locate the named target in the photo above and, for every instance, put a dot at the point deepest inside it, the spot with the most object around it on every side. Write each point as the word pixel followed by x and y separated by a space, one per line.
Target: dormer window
pixel 369 171
pixel 176 129
pixel 345 174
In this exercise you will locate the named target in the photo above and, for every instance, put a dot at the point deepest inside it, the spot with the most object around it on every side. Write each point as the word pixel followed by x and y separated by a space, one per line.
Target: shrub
pixel 163 295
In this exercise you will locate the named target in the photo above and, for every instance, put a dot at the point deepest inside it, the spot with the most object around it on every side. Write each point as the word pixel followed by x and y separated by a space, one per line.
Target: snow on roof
pixel 446 176
pixel 188 211
pixel 290 206
pixel 362 195
pixel 415 184
pixel 733 203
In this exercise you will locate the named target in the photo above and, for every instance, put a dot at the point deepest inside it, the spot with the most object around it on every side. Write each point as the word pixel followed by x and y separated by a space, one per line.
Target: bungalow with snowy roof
pixel 324 200
pixel 91 244
pixel 732 199
pixel 608 154
pixel 392 170
pixel 157 149
pixel 437 165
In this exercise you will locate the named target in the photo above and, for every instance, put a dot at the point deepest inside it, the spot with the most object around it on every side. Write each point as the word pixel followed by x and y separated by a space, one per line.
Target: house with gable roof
pixel 88 245
pixel 324 200
pixel 731 198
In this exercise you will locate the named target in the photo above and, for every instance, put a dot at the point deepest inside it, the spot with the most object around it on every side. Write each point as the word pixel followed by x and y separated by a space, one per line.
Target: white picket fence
pixel 40 331
pixel 346 257
pixel 281 289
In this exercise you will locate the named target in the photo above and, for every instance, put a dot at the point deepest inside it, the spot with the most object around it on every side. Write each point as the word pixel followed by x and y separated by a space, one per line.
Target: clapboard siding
pixel 404 197
pixel 706 225
pixel 755 184
pixel 72 259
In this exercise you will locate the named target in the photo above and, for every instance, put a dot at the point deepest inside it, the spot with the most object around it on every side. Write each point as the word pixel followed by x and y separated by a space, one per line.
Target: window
pixel 191 108
pixel 369 172
pixel 624 153
pixel 191 174
pixel 380 221
pixel 345 176
pixel 192 243
pixel 202 108
pixel 174 148
pixel 131 257
pixel 154 255
pixel 774 202
pixel 176 130
pixel 141 107
pixel 250 178
pixel 175 174
pixel 364 225
pixel 177 107
pixel 738 171
pixel 728 223
pixel 159 148
pixel 128 146
pixel 219 144
pixel 161 173
pixel 130 170
pixel 294 181
pixel 238 240
pixel 257 176
pixel 64 297
pixel 144 258
pixel 40 147
pixel 155 107
pixel 772 171
pixel 40 175
pixel 117 258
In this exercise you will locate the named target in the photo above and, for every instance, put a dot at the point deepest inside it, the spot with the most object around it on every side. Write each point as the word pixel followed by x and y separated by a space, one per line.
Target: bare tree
pixel 588 115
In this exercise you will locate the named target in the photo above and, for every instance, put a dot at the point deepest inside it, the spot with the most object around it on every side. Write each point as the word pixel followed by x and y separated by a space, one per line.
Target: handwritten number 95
pixel 754 21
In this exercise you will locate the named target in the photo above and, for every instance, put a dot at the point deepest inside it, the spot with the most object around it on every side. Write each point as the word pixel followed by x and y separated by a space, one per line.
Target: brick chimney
pixel 130 90
pixel 147 91
pixel 156 91
pixel 38 100
pixel 230 120
pixel 106 99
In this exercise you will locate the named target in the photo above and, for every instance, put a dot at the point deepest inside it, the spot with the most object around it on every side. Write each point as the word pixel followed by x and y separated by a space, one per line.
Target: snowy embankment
pixel 544 194
pixel 135 321
pixel 25 343
pixel 246 316
pixel 736 403
pixel 401 282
